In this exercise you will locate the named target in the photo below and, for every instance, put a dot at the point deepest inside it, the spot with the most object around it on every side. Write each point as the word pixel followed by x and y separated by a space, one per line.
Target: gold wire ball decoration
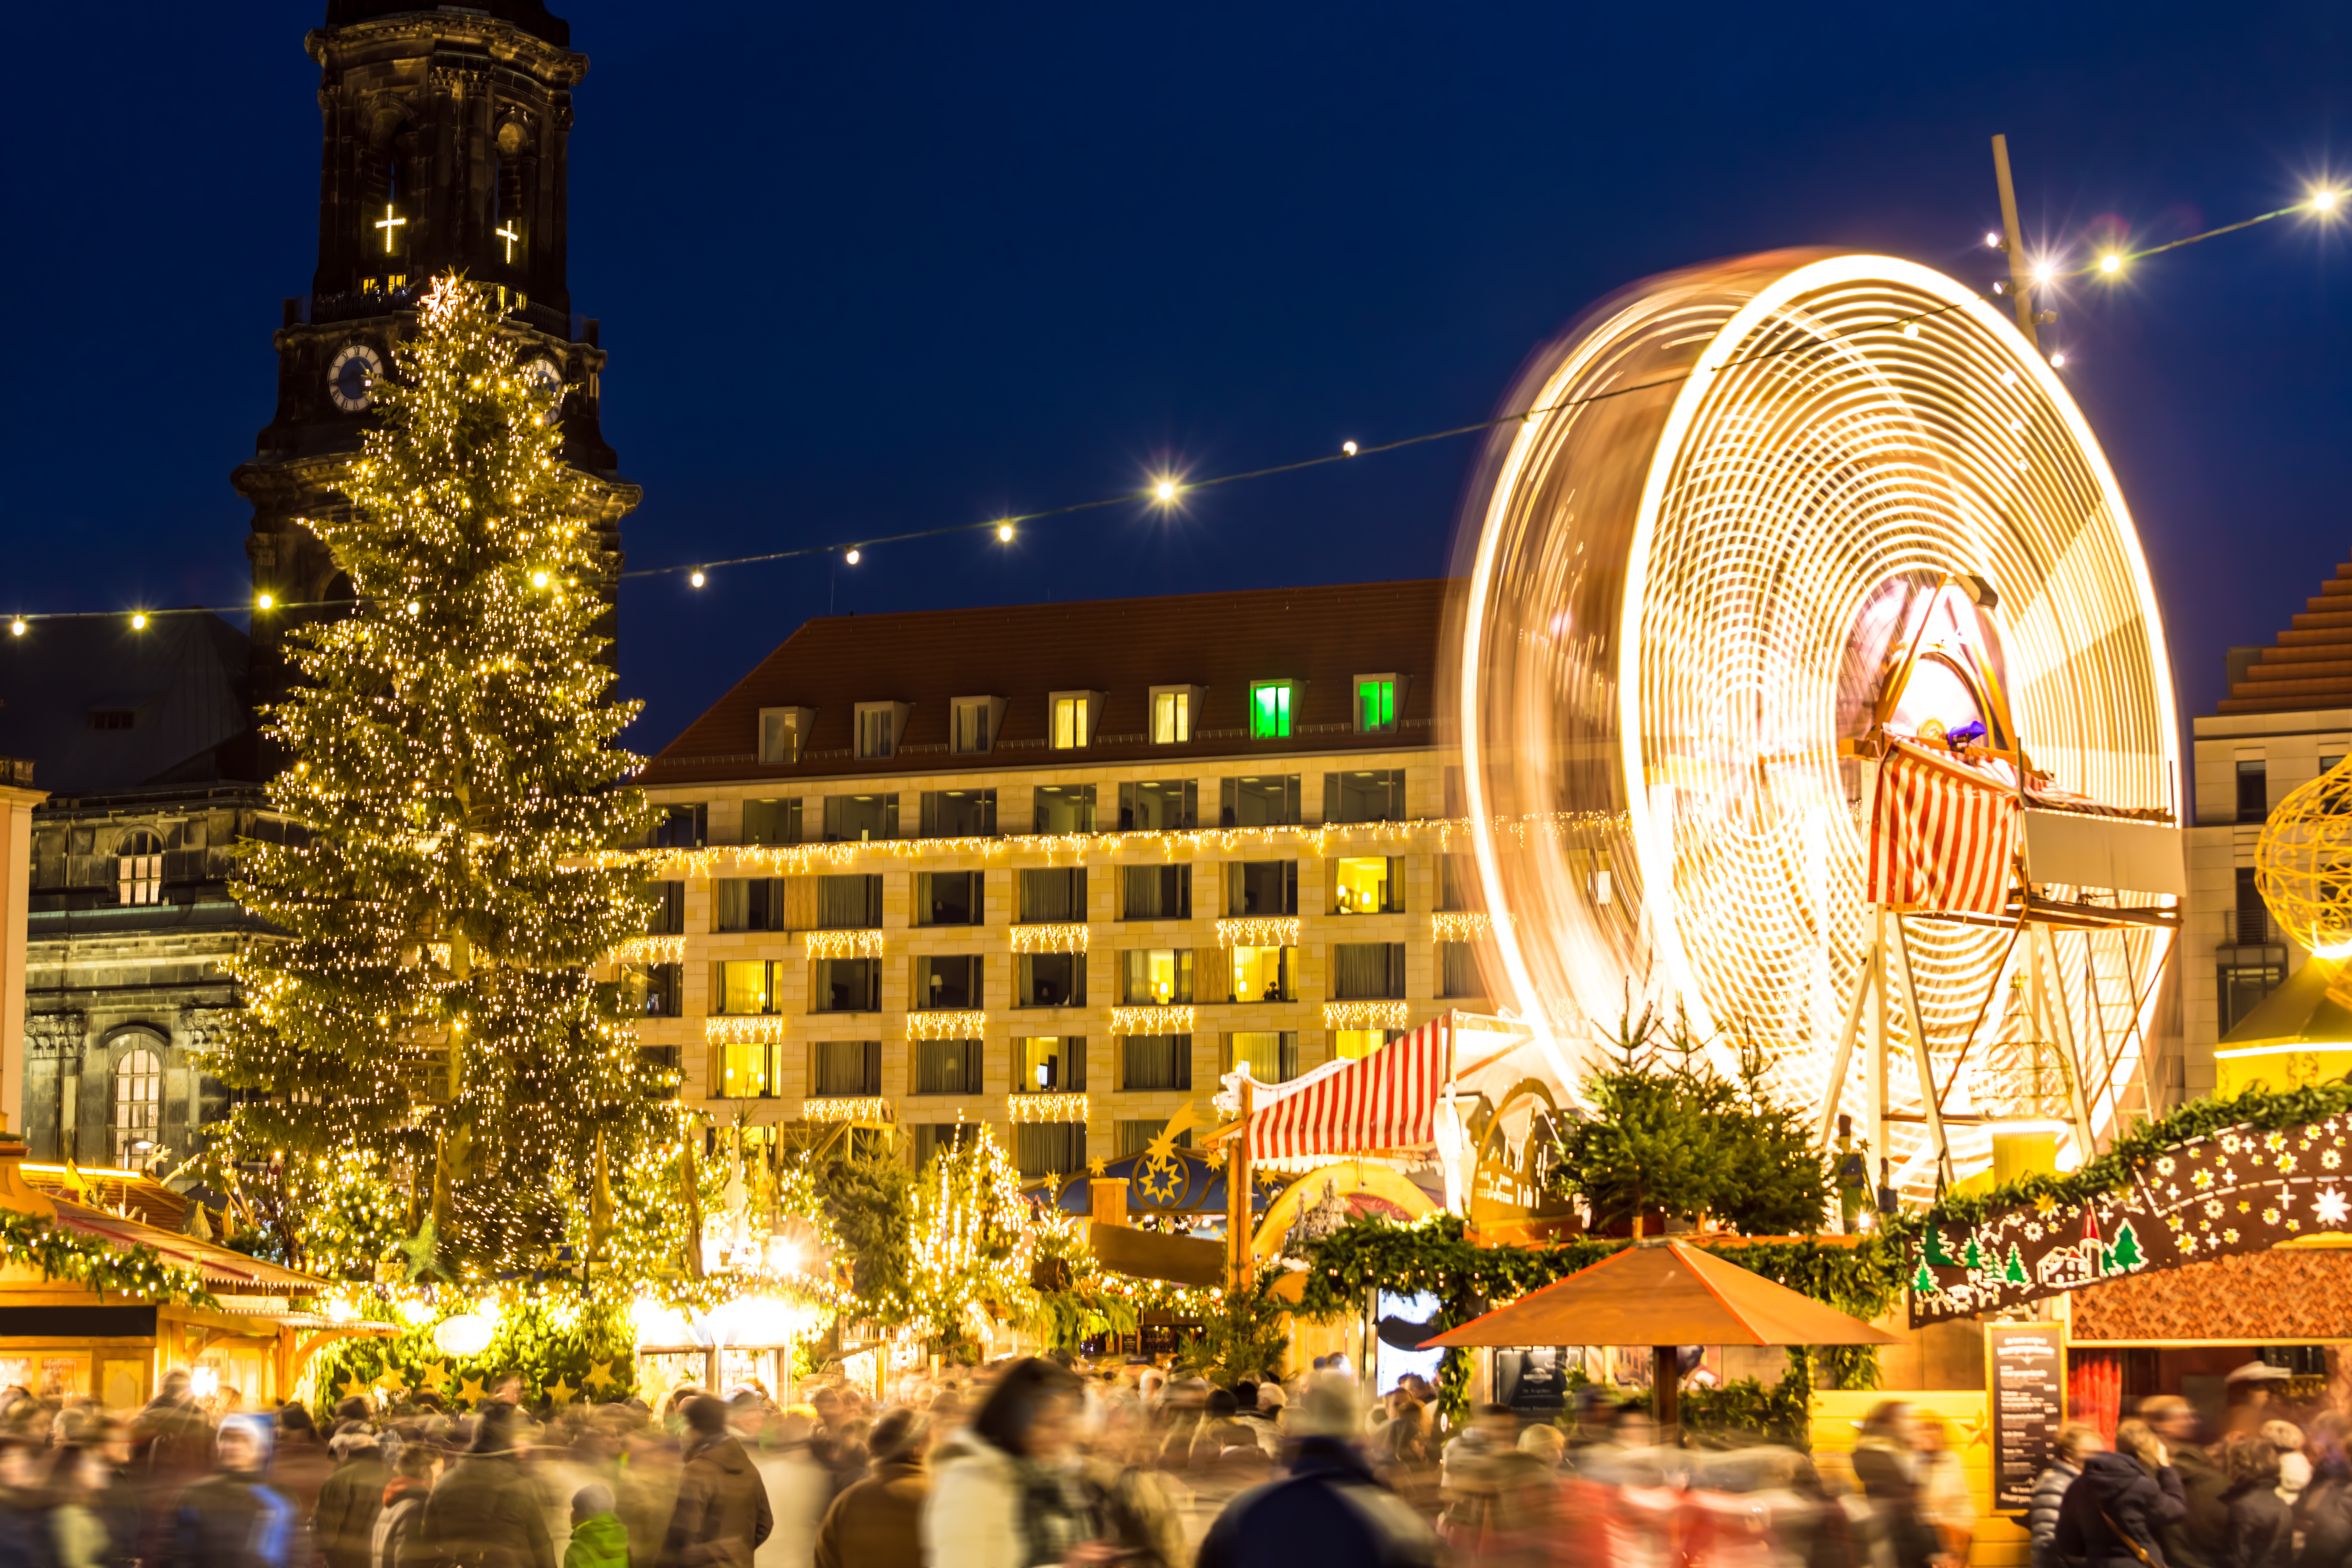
pixel 2302 863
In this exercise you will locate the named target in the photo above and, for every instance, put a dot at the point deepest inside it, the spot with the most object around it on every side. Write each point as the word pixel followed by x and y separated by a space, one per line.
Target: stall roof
pixel 214 1263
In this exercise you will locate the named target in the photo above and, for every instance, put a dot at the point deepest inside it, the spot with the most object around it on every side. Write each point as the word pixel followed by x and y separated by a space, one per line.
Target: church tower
pixel 444 145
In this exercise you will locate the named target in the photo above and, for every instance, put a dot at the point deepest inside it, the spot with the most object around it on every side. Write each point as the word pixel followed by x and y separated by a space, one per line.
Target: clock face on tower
pixel 351 378
pixel 550 380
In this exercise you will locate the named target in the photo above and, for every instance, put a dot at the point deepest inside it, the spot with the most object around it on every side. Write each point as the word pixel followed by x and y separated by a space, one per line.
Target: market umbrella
pixel 1664 1295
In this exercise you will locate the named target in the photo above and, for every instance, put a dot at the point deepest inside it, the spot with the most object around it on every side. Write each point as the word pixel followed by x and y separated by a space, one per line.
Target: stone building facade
pixel 1055 869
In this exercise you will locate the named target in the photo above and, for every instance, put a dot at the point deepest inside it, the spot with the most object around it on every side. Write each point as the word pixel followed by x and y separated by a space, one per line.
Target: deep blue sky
pixel 867 268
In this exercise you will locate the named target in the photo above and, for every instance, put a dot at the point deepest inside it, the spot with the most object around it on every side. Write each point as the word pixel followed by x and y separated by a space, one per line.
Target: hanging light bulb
pixel 851 558
pixel 264 601
pixel 696 579
pixel 17 628
pixel 138 620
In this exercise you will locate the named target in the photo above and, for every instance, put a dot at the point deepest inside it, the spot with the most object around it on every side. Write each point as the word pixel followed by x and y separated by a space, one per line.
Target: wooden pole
pixel 2019 279
pixel 1241 1270
pixel 1666 1392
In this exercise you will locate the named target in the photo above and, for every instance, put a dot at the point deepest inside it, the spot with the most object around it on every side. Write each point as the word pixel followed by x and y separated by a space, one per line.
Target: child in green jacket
pixel 599 1540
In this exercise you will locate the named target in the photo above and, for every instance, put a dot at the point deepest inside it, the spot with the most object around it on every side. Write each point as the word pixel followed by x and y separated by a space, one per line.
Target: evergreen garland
pixel 434 1068
pixel 589 1351
pixel 62 1254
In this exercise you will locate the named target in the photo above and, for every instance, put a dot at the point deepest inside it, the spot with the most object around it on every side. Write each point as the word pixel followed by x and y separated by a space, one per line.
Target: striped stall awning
pixel 1941 833
pixel 1385 1100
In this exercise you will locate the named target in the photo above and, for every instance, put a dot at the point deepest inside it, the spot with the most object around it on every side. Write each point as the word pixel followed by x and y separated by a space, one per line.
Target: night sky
pixel 863 268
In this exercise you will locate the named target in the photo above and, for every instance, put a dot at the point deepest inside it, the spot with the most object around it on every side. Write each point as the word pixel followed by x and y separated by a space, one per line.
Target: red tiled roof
pixel 1321 636
pixel 2311 665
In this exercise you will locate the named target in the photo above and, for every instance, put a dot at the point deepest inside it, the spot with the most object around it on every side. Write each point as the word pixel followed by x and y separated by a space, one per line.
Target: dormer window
pixel 879 727
pixel 1072 716
pixel 1378 700
pixel 782 732
pixel 111 718
pixel 976 720
pixel 1172 708
pixel 1269 708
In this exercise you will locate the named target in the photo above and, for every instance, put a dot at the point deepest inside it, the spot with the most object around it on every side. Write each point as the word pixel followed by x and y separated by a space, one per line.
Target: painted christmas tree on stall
pixel 2124 1256
pixel 427 1056
pixel 2015 1272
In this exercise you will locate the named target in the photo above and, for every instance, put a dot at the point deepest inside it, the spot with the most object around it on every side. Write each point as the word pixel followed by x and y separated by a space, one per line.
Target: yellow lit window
pixel 1047 1063
pixel 746 988
pixel 1172 718
pixel 1069 724
pixel 1260 974
pixel 1363 885
pixel 750 1072
pixel 1270 1058
pixel 1353 1045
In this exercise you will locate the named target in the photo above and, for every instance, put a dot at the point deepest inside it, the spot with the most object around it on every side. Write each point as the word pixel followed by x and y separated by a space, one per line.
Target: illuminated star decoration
pixel 351 1388
pixel 2331 1208
pixel 470 1390
pixel 600 1376
pixel 392 1382
pixel 436 1375
pixel 560 1391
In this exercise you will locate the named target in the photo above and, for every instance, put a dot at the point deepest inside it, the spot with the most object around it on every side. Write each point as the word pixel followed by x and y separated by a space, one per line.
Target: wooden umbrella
pixel 1664 1295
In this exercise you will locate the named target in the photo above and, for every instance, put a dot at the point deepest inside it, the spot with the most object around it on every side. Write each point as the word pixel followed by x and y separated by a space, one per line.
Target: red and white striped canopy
pixel 1385 1100
pixel 1940 834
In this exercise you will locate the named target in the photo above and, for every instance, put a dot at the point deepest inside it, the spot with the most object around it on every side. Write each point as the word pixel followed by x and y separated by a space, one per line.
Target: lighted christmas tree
pixel 1923 1282
pixel 972 1241
pixel 426 1052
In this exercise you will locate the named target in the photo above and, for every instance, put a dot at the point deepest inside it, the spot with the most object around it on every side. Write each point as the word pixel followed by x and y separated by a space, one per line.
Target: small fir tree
pixel 1935 1252
pixel 1974 1257
pixel 2124 1256
pixel 2014 1271
pixel 1923 1282
pixel 427 1035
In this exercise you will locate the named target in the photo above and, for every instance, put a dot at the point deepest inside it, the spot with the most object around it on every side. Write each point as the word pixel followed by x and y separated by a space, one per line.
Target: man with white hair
pixel 1331 1510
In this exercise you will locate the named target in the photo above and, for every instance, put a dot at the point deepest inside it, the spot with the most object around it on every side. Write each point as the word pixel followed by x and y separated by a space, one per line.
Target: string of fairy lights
pixel 1169 489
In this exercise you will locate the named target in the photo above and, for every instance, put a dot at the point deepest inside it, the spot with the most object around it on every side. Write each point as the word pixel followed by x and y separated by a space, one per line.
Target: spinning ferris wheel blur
pixel 1771 528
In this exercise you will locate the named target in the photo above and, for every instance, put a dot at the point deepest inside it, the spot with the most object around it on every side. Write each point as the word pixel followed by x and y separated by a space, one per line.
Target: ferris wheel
pixel 1772 532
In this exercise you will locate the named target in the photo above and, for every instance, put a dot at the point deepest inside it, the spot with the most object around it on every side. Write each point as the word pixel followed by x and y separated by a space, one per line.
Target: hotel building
pixel 1055 869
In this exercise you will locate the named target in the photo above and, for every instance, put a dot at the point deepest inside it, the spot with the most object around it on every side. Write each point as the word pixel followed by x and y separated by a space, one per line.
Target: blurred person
pixel 508 1390
pixel 2115 1511
pixel 2294 1465
pixel 1009 1497
pixel 1547 1443
pixel 1256 1415
pixel 2075 1442
pixel 721 1515
pixel 1405 1438
pixel 172 1436
pixel 1469 1475
pixel 2261 1526
pixel 879 1520
pixel 1886 1466
pixel 1944 1500
pixel 2200 1538
pixel 599 1539
pixel 484 1512
pixel 342 1523
pixel 2323 1514
pixel 25 1539
pixel 1331 1510
pixel 392 1539
pixel 77 1531
pixel 233 1518
pixel 799 1489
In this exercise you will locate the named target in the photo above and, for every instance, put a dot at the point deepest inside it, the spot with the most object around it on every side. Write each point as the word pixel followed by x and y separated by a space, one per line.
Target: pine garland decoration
pixel 62 1254
pixel 427 1046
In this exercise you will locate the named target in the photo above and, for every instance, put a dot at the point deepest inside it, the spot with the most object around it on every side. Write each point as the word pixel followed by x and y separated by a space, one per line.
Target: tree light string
pixel 1164 490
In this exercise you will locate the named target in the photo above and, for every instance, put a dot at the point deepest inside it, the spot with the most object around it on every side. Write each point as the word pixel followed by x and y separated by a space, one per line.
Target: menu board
pixel 2026 1366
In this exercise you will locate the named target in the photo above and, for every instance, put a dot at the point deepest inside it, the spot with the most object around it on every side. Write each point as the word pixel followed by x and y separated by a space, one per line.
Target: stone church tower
pixel 444 146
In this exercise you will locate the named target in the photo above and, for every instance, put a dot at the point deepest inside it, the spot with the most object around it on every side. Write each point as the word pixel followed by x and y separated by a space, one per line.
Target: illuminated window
pixel 855 819
pixel 1374 795
pixel 783 732
pixel 1269 710
pixel 1156 977
pixel 840 1068
pixel 750 987
pixel 750 1071
pixel 139 869
pixel 1259 800
pixel 138 1103
pixel 1045 1064
pixel 1354 1045
pixel 1367 885
pixel 1159 805
pixel 1376 703
pixel 878 726
pixel 1270 1058
pixel 946 1066
pixel 1172 708
pixel 1062 808
pixel 958 814
pixel 1264 974
pixel 1072 720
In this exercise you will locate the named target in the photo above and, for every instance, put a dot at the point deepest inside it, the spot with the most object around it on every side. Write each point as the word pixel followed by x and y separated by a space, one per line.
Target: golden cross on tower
pixel 509 235
pixel 389 224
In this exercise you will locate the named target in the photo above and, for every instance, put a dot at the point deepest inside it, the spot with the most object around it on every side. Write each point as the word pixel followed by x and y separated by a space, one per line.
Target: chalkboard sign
pixel 2027 1367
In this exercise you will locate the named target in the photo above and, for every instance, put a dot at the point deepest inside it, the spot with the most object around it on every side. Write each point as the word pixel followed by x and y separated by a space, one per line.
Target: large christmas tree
pixel 429 1058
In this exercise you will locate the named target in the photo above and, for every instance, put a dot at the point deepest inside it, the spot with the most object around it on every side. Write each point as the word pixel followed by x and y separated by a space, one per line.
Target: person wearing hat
pixel 233 1519
pixel 879 1522
pixel 342 1524
pixel 722 1504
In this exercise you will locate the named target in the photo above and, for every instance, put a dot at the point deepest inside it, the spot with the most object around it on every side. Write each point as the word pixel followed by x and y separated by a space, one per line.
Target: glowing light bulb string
pixel 1162 492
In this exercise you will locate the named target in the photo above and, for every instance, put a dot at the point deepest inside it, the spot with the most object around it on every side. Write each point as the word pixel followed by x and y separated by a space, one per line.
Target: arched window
pixel 139 868
pixel 137 1112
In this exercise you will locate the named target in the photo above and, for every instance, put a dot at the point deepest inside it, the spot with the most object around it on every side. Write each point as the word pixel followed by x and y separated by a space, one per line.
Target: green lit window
pixel 1270 709
pixel 1375 704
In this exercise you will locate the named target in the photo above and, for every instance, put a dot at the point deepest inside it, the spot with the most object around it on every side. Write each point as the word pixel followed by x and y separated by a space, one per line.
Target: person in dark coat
pixel 1329 1512
pixel 485 1512
pixel 723 1503
pixel 233 1519
pixel 2262 1523
pixel 2201 1538
pixel 879 1523
pixel 1886 1464
pixel 342 1525
pixel 2114 1506
pixel 2049 1489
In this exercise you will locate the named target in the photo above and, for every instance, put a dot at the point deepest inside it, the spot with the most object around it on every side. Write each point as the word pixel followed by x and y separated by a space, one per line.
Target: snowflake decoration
pixel 2164 1166
pixel 2331 1208
pixel 2213 1206
pixel 2033 1233
pixel 2230 1236
pixel 2331 1158
pixel 2270 1216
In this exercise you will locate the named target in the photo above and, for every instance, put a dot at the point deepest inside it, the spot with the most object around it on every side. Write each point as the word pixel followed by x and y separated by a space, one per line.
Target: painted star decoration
pixel 600 1376
pixel 470 1390
pixel 2332 1207
pixel 560 1391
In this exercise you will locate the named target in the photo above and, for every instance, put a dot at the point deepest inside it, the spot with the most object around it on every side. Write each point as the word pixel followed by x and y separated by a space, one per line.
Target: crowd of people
pixel 1035 1462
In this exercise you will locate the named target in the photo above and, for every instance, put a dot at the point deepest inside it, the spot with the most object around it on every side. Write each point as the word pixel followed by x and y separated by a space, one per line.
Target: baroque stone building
pixel 444 147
